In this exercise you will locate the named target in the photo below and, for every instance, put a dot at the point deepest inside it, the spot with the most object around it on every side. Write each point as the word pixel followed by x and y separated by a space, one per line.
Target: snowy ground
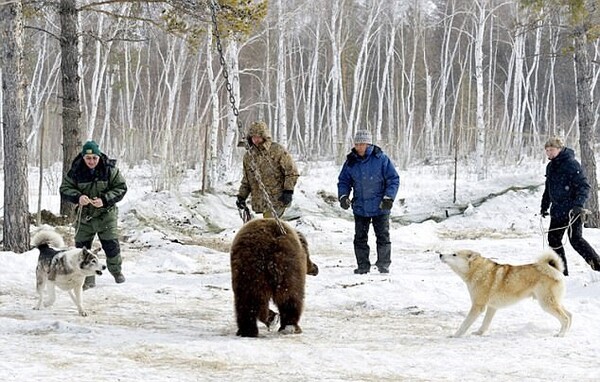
pixel 173 319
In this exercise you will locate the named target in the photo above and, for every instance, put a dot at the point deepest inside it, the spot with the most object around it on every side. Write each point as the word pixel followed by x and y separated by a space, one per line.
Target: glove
pixel 286 197
pixel 345 202
pixel 577 210
pixel 386 203
pixel 240 203
pixel 544 213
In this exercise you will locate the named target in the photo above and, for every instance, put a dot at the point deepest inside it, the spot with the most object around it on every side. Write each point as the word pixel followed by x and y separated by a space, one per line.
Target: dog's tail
pixel 550 258
pixel 47 237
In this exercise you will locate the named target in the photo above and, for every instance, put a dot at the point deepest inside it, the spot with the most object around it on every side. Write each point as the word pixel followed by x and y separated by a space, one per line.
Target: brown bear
pixel 266 264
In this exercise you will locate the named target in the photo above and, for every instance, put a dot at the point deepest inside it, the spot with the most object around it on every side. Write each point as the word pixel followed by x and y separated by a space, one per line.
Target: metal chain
pixel 214 8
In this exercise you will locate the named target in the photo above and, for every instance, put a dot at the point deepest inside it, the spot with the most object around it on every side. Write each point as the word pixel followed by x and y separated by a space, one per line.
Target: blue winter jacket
pixel 370 178
pixel 566 185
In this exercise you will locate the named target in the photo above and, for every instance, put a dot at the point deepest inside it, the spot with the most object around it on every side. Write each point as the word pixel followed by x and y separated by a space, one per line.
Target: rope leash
pixel 78 220
pixel 568 227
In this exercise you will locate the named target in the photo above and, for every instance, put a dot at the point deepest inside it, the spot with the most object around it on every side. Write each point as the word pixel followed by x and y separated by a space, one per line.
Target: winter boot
pixel 594 263
pixel 114 267
pixel 119 278
pixel 90 282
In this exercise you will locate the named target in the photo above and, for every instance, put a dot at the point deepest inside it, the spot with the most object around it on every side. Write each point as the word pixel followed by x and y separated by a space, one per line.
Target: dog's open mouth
pixel 99 273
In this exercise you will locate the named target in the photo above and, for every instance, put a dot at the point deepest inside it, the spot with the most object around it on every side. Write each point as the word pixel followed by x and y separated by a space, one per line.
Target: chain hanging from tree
pixel 245 215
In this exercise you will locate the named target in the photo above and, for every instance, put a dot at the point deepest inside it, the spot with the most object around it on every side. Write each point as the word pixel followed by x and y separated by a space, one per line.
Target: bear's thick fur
pixel 267 264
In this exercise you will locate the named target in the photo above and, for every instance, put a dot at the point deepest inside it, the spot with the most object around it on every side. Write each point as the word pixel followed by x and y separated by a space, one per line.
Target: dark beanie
pixel 90 147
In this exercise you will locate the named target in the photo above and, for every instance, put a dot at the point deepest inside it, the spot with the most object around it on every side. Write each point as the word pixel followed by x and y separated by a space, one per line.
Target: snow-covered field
pixel 173 319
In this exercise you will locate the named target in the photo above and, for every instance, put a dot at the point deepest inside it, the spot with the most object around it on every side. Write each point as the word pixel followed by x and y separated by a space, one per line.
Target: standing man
pixel 372 178
pixel 95 184
pixel 276 170
pixel 565 193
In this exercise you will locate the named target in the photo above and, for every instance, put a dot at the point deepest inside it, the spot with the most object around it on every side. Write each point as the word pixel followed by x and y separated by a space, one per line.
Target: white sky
pixel 173 319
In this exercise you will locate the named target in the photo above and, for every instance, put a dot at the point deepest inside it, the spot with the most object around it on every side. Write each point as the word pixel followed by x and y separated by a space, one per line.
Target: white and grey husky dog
pixel 62 267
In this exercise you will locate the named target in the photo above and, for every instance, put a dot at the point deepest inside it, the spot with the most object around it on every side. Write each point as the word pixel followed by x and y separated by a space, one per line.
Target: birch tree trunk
pixel 450 51
pixel 175 65
pixel 360 69
pixel 41 88
pixel 385 77
pixel 212 159
pixel 16 188
pixel 232 62
pixel 480 112
pixel 280 125
pixel 335 76
pixel 310 109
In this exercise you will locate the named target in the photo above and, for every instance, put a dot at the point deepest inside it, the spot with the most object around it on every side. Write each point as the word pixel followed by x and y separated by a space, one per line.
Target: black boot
pixel 113 259
pixel 114 267
pixel 119 278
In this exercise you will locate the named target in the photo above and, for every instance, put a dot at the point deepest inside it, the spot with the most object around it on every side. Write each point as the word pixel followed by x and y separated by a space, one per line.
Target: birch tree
pixel 479 26
pixel 335 76
pixel 584 21
pixel 354 120
pixel 212 160
pixel 280 125
pixel 233 128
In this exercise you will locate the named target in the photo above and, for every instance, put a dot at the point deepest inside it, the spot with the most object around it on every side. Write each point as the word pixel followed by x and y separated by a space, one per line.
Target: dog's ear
pixel 472 255
pixel 95 251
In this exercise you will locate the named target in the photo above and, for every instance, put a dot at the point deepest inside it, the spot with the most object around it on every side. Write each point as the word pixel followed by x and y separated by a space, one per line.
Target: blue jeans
pixel 381 226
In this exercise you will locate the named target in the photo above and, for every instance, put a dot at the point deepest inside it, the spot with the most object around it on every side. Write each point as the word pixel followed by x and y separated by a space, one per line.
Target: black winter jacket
pixel 566 185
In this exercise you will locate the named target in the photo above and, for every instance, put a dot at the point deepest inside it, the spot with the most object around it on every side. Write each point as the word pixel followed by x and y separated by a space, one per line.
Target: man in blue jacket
pixel 371 177
pixel 565 193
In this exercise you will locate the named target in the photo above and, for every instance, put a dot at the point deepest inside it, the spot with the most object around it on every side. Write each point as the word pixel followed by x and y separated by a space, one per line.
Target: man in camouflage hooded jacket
pixel 276 171
pixel 95 184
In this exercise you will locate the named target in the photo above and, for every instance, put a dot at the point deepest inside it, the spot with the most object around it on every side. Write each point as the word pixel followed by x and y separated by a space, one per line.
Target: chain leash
pixel 214 9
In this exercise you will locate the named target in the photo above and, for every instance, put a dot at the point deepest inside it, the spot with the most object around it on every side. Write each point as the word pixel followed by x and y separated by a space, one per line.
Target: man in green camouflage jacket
pixel 95 184
pixel 276 169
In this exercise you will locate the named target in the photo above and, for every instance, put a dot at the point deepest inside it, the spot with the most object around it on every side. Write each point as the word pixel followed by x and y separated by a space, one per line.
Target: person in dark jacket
pixel 371 177
pixel 95 184
pixel 565 194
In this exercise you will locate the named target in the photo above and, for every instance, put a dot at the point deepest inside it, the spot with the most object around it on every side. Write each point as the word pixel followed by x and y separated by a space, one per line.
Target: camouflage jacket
pixel 277 172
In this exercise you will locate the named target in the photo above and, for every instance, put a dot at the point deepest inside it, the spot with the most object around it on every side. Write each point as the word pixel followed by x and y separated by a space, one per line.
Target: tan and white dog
pixel 493 286
pixel 65 268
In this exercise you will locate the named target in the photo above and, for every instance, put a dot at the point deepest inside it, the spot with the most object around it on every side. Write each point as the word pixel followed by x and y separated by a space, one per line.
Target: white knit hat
pixel 363 136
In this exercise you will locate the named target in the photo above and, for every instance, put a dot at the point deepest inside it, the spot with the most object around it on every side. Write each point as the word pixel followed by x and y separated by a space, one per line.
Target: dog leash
pixel 245 214
pixel 78 221
pixel 568 227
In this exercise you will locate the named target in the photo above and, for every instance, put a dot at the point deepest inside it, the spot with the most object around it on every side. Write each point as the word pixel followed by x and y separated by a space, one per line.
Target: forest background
pixel 472 81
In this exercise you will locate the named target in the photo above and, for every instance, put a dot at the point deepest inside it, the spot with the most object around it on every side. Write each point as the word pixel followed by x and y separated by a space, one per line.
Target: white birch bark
pixel 280 125
pixel 231 132
pixel 212 175
pixel 480 112
pixel 385 76
pixel 336 87
pixel 44 83
pixel 360 69
pixel 310 109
